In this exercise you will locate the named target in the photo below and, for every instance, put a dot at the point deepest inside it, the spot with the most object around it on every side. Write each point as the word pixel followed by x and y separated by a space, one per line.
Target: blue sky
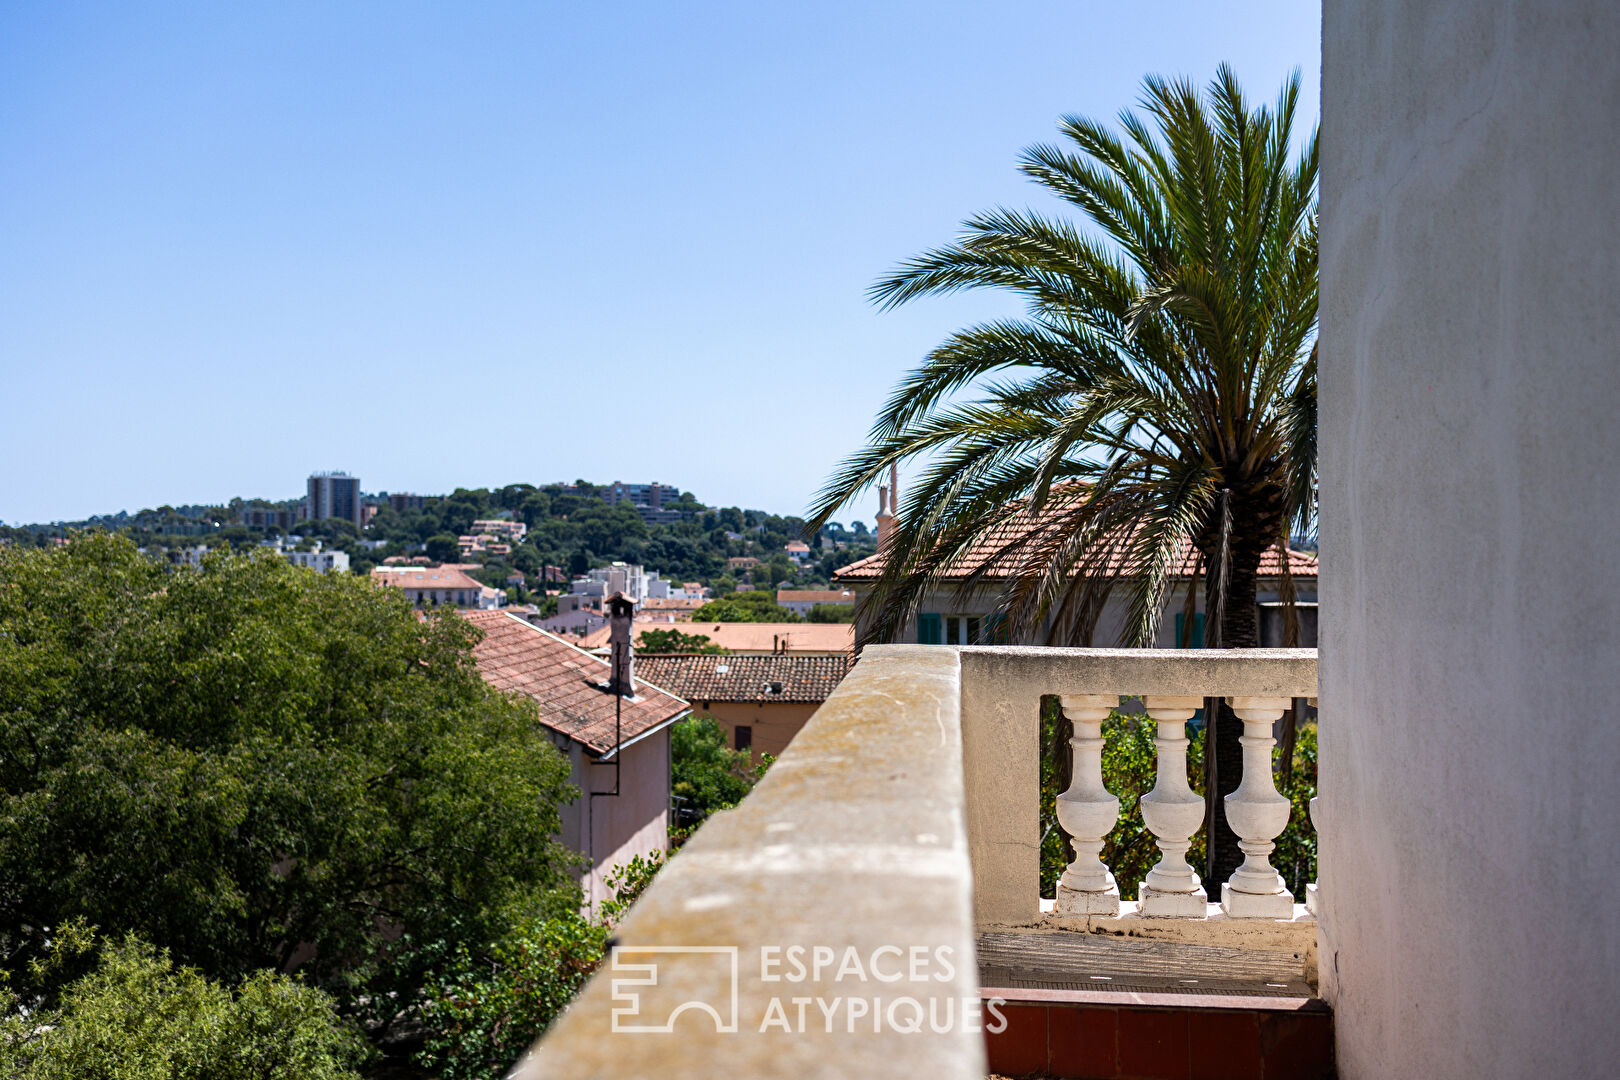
pixel 445 245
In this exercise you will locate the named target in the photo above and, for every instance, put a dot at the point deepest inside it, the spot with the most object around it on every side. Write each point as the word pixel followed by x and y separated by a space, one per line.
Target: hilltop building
pixel 334 495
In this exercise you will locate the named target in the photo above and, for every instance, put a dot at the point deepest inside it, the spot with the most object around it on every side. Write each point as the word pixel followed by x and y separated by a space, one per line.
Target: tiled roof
pixel 984 553
pixel 802 678
pixel 814 596
pixel 565 682
pixel 756 637
pixel 671 603
pixel 441 577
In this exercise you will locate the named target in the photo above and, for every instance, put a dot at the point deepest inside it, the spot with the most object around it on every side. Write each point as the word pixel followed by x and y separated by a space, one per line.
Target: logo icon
pixel 702 977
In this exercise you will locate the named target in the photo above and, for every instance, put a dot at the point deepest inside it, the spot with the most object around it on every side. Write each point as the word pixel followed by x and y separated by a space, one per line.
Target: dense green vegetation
pixel 706 775
pixel 755 605
pixel 134 1014
pixel 261 768
pixel 676 641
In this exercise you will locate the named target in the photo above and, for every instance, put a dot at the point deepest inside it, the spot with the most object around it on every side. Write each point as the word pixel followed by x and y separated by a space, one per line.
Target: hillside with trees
pixel 572 528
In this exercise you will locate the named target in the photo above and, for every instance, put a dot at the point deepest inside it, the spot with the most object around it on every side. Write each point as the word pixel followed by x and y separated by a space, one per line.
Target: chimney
pixel 888 505
pixel 621 679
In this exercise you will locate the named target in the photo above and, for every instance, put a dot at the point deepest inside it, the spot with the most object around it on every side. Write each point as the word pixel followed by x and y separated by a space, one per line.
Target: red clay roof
pixel 750 637
pixel 438 577
pixel 1300 563
pixel 565 682
pixel 803 678
pixel 814 596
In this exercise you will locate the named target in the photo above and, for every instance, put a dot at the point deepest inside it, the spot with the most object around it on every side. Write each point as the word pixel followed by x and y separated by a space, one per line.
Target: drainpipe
pixel 621 684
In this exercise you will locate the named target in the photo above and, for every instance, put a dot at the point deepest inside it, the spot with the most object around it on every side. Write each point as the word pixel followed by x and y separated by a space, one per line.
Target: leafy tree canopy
pixel 705 774
pixel 757 605
pixel 674 641
pixel 260 767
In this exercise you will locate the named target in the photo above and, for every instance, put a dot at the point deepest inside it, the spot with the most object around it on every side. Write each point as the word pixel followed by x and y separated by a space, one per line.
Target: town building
pixel 617 746
pixel 797 550
pixel 512 531
pixel 648 499
pixel 591 590
pixel 439 586
pixel 761 701
pixel 280 519
pixel 325 562
pixel 964 608
pixel 800 601
pixel 333 495
pixel 400 501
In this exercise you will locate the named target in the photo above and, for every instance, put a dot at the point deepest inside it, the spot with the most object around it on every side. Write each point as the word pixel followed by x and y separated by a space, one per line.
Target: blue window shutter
pixel 1197 641
pixel 928 629
pixel 995 630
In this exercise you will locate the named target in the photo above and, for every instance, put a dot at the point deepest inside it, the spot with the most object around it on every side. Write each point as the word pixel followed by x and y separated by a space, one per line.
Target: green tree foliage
pixel 260 767
pixel 443 548
pixel 1130 769
pixel 705 774
pixel 757 605
pixel 136 1015
pixel 486 1006
pixel 831 613
pixel 484 1010
pixel 674 641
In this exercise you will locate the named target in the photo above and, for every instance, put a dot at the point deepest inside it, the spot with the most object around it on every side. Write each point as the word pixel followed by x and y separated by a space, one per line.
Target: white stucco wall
pixel 1470 648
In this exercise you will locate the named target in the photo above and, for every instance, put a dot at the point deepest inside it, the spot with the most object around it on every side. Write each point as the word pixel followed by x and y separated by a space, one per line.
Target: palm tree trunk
pixel 1237 628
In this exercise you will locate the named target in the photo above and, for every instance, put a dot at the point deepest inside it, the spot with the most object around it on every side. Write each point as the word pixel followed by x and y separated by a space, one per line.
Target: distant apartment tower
pixel 648 499
pixel 268 517
pixel 403 501
pixel 333 495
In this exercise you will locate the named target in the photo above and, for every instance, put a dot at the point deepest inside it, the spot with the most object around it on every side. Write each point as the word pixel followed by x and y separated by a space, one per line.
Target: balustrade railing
pixel 1173 813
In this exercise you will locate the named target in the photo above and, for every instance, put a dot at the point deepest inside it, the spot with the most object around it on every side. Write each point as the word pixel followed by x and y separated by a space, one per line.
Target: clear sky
pixel 452 244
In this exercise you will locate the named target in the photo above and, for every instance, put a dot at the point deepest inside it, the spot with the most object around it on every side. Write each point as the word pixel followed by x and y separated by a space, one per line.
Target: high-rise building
pixel 333 494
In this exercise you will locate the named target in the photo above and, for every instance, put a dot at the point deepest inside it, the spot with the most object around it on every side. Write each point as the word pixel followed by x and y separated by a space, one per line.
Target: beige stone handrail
pixel 826 926
pixel 852 849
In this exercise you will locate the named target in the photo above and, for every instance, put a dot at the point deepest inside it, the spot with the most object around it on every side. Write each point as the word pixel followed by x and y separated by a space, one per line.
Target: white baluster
pixel 1173 812
pixel 1310 887
pixel 1088 812
pixel 1258 814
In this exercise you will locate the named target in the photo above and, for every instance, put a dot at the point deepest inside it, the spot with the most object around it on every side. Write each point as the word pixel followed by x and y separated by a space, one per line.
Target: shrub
pixel 483 1012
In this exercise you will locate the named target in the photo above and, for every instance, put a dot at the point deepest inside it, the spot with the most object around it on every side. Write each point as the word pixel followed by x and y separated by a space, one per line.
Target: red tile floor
pixel 1079 1035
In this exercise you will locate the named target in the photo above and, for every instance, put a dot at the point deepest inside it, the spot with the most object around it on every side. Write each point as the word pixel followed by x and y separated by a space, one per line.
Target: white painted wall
pixel 1470 650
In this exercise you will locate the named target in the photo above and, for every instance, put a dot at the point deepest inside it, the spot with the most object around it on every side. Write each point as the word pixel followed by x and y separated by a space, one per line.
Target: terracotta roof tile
pixel 814 596
pixel 440 577
pixel 802 678
pixel 1300 563
pixel 565 682
pixel 751 636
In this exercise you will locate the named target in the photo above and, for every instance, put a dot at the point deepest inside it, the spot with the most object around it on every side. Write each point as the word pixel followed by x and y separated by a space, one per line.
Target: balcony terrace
pixel 883 880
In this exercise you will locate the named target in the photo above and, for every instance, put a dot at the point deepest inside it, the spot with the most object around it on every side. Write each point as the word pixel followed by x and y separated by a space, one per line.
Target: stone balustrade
pixel 902 823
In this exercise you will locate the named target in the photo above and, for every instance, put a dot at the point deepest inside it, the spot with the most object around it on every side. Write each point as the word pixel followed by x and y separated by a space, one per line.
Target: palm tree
pixel 1156 404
